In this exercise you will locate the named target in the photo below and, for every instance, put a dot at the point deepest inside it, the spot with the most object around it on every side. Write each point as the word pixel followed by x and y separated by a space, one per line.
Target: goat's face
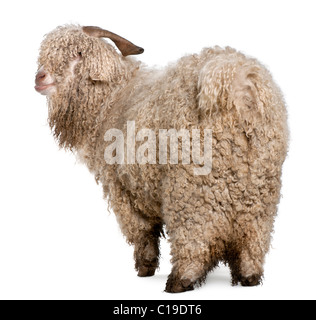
pixel 61 59
pixel 72 55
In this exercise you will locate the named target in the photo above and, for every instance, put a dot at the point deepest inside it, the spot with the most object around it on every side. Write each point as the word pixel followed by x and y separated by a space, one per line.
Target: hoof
pixel 146 272
pixel 177 286
pixel 251 281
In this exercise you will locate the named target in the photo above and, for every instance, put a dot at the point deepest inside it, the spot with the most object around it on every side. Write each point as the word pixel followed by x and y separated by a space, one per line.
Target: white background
pixel 57 239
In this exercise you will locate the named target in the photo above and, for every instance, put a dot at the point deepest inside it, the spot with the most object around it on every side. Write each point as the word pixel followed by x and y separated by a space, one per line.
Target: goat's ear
pixel 105 64
pixel 126 47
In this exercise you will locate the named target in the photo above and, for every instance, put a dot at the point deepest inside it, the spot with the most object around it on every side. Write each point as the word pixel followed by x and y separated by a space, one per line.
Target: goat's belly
pixel 142 183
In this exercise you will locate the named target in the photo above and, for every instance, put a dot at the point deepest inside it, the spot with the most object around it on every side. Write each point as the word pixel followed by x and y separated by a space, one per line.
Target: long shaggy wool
pixel 227 215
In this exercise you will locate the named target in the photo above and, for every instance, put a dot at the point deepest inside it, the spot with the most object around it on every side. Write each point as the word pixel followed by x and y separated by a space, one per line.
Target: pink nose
pixel 40 78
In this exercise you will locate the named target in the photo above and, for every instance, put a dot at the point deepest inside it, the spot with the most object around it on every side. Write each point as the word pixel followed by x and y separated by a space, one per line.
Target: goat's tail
pixel 234 84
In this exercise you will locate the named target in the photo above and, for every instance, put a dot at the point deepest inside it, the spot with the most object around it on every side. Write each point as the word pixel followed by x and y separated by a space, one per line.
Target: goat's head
pixel 73 52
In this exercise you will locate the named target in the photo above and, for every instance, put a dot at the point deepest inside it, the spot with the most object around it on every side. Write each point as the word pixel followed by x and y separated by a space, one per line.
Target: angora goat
pixel 224 215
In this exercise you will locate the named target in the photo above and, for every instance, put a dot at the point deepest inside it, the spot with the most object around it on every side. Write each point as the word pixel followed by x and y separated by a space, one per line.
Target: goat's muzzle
pixel 44 82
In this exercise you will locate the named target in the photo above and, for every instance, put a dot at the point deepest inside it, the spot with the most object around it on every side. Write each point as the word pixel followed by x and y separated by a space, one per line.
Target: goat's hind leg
pixel 192 259
pixel 246 256
pixel 187 218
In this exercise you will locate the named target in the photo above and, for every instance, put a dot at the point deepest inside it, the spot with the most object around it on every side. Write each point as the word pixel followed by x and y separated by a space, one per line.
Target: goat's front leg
pixel 146 252
pixel 144 234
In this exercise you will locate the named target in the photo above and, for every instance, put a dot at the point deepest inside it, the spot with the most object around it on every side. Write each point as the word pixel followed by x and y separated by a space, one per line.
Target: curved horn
pixel 126 47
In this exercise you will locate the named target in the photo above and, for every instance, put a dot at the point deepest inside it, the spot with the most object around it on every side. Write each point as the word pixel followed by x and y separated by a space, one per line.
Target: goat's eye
pixel 80 54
